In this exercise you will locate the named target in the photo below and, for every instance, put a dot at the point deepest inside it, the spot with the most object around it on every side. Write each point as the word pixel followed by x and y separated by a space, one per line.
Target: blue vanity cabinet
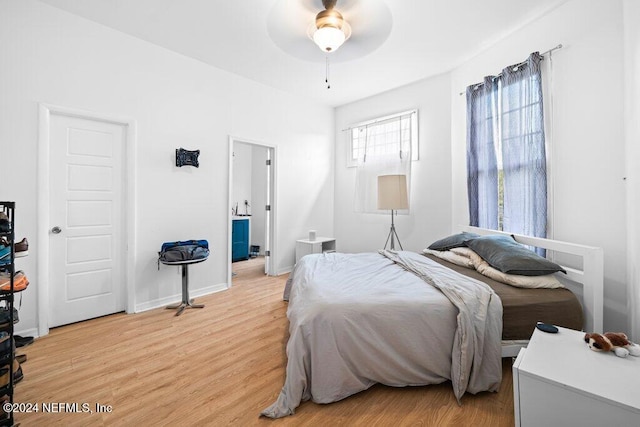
pixel 240 239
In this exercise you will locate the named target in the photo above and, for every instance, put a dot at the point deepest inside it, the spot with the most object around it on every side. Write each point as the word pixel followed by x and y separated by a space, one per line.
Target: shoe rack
pixel 9 367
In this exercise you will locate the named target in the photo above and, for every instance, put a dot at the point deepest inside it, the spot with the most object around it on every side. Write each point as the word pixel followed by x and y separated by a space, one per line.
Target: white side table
pixel 317 246
pixel 558 381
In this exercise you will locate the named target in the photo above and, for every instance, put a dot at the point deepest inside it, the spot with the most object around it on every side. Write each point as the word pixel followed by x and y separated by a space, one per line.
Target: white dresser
pixel 317 246
pixel 558 381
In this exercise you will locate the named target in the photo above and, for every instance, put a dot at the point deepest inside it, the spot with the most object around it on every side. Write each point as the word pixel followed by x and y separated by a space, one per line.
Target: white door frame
pixel 43 197
pixel 271 265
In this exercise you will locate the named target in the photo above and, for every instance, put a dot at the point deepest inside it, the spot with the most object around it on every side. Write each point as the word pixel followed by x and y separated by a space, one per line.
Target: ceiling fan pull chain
pixel 326 75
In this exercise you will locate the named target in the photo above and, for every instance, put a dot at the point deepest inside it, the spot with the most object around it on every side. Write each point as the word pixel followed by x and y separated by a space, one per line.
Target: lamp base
pixel 393 236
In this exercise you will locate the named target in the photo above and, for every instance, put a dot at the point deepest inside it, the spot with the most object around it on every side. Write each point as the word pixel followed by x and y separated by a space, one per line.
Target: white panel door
pixel 86 239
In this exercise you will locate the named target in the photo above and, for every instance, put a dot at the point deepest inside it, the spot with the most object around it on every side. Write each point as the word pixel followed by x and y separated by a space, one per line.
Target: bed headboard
pixel 591 276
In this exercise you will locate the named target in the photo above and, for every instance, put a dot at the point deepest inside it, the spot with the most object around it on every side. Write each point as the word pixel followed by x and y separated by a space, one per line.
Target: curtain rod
pixel 542 54
pixel 552 49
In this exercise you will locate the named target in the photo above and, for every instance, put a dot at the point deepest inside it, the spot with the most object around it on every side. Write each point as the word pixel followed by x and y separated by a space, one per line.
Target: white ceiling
pixel 393 42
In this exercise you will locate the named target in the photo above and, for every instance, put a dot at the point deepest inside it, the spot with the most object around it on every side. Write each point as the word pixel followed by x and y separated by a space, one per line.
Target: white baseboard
pixel 284 270
pixel 150 305
pixel 158 303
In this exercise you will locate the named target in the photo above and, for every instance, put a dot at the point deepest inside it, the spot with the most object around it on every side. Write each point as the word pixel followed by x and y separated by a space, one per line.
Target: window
pixel 381 147
pixel 506 160
pixel 385 135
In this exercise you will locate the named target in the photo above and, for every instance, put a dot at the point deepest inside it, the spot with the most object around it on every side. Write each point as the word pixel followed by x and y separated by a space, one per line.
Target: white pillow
pixel 452 257
pixel 468 253
pixel 467 257
pixel 548 281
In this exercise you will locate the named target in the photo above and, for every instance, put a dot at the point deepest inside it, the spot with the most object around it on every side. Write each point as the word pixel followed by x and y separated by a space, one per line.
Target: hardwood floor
pixel 220 365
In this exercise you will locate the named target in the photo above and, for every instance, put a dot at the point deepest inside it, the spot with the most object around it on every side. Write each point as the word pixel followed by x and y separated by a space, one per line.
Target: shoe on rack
pixel 5 317
pixel 5 225
pixel 20 282
pixel 6 344
pixel 21 248
pixel 5 254
pixel 7 349
pixel 17 374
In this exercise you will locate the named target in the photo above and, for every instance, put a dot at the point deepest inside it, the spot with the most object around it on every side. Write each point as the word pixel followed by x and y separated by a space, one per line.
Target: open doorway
pixel 251 207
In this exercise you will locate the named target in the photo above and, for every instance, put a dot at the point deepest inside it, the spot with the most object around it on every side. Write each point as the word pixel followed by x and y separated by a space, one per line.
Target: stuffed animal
pixel 612 341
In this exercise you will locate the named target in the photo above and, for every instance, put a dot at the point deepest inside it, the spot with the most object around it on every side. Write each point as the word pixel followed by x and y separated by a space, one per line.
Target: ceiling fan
pixel 291 23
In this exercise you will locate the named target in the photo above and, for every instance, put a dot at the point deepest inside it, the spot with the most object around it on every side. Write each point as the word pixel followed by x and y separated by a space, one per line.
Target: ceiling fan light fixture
pixel 329 39
pixel 330 30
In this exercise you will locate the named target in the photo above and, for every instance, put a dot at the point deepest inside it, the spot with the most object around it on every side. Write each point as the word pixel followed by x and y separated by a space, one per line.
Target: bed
pixel 406 319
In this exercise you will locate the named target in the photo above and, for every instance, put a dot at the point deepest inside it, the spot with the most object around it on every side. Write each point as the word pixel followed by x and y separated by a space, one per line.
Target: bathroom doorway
pixel 252 210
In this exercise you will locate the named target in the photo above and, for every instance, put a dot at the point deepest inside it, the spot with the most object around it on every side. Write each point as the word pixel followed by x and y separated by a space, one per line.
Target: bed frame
pixel 591 279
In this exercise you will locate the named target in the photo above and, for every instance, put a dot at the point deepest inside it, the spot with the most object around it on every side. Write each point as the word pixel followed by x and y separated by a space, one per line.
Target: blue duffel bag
pixel 187 250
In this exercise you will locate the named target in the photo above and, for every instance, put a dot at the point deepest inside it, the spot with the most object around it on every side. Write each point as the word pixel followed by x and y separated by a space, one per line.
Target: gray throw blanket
pixel 477 347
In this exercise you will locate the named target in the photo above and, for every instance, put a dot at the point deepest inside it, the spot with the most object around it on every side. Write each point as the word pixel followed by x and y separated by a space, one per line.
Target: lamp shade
pixel 392 192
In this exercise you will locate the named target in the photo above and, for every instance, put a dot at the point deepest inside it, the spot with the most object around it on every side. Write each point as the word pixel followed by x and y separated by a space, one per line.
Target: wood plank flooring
pixel 220 365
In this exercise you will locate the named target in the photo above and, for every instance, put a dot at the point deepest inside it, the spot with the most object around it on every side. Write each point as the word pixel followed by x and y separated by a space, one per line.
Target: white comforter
pixel 361 319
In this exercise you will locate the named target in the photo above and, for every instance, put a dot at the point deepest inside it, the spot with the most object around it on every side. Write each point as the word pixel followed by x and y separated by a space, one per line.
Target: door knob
pixel 56 230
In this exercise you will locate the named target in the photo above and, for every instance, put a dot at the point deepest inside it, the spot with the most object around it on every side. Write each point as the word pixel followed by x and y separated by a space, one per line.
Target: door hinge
pixel 267 208
pixel 268 162
pixel 267 253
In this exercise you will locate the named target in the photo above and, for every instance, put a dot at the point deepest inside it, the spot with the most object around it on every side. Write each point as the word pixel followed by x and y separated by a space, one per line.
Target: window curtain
pixel 384 154
pixel 482 166
pixel 524 160
pixel 505 116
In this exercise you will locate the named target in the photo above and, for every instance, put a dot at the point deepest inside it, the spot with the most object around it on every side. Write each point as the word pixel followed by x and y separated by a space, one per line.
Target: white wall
pixel 631 13
pixel 587 144
pixel 430 204
pixel 586 138
pixel 50 56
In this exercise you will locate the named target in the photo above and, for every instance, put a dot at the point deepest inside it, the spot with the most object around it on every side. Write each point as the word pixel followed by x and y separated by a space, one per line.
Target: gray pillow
pixel 509 256
pixel 453 241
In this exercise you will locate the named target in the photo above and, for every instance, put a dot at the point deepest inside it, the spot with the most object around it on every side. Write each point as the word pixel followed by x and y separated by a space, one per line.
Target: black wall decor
pixel 187 157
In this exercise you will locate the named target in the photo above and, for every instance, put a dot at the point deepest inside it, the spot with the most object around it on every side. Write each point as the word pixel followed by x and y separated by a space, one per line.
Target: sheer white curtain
pixel 387 151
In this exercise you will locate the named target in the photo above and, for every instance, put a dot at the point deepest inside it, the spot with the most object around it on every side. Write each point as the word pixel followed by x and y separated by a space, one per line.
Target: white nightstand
pixel 317 246
pixel 558 381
